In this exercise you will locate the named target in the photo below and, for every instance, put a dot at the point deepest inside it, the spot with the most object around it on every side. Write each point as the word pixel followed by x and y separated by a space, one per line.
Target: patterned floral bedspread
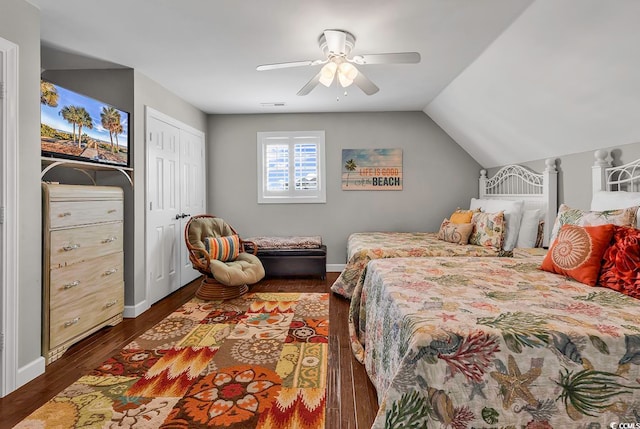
pixel 495 342
pixel 365 246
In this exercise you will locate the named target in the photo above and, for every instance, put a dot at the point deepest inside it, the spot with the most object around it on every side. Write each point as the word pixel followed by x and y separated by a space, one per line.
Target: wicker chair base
pixel 212 290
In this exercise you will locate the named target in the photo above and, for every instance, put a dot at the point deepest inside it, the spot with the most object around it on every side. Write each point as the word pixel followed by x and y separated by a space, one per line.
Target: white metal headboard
pixel 537 190
pixel 622 178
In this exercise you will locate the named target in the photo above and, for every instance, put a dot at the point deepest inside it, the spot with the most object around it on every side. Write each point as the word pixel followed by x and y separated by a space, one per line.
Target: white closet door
pixel 163 209
pixel 192 193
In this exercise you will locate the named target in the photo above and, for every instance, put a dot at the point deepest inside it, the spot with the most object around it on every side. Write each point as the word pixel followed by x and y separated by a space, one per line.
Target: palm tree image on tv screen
pixel 74 126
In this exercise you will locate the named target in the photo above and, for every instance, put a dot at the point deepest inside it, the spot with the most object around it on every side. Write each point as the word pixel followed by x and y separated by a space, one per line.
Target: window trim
pixel 291 196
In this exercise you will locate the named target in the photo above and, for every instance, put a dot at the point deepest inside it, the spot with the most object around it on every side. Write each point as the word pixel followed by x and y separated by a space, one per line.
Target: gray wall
pixel 438 176
pixel 574 172
pixel 20 24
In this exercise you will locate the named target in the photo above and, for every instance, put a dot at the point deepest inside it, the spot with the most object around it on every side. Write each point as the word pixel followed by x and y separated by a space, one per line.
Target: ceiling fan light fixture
pixel 348 70
pixel 327 73
pixel 344 80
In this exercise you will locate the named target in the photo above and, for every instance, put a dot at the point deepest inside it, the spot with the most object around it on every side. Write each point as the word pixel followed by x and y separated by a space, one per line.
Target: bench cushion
pixel 289 242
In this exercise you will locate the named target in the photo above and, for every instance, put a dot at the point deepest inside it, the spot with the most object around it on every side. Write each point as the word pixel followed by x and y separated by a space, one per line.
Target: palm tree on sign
pixel 110 119
pixel 350 166
pixel 84 120
pixel 71 114
pixel 48 94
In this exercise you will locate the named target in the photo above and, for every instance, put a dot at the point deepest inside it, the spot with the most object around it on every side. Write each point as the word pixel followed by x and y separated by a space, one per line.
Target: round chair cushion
pixel 245 270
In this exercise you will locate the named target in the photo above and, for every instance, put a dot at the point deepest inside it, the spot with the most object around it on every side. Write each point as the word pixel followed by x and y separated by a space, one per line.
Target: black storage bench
pixel 291 256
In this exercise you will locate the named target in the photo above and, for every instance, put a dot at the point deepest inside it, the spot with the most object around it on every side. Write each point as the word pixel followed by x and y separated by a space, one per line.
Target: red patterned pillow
pixel 577 252
pixel 621 262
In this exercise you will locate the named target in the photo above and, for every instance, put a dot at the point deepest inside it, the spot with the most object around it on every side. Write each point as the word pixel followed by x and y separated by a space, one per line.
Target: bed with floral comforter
pixel 494 342
pixel 365 246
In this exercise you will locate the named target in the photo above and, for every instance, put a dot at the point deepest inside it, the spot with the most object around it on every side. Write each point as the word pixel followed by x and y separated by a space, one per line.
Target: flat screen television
pixel 78 127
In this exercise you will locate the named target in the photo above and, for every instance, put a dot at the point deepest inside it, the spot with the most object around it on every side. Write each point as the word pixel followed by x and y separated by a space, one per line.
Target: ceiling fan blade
pixel 393 58
pixel 310 85
pixel 285 65
pixel 336 41
pixel 363 82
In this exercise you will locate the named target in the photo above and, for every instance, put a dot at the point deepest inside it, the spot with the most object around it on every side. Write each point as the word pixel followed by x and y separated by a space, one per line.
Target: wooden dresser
pixel 83 277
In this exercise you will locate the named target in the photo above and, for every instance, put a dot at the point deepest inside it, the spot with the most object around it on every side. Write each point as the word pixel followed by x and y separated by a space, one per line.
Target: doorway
pixel 175 191
pixel 8 216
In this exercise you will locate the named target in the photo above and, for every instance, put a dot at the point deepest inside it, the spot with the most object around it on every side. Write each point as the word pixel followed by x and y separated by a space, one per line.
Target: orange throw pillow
pixel 461 216
pixel 577 252
pixel 621 262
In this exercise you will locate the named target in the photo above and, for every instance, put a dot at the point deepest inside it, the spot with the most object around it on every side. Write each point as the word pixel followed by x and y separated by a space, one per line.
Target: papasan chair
pixel 216 250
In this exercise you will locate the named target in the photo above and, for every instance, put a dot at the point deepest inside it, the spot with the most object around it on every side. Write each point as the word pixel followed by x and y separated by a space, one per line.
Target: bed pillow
pixel 223 249
pixel 512 215
pixel 569 216
pixel 603 200
pixel 488 229
pixel 455 232
pixel 461 216
pixel 528 233
pixel 577 252
pixel 620 262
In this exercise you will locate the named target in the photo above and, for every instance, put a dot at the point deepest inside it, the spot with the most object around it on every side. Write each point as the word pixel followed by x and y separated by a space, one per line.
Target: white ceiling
pixel 565 78
pixel 206 51
pixel 509 80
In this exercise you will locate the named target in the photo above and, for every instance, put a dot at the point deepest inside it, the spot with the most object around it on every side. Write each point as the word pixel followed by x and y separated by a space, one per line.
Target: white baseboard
pixel 335 268
pixel 133 311
pixel 30 371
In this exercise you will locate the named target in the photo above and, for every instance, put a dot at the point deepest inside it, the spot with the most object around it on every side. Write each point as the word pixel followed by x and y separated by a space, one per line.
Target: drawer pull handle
pixel 65 214
pixel 69 247
pixel 71 322
pixel 111 271
pixel 71 285
pixel 109 240
pixel 111 303
pixel 111 211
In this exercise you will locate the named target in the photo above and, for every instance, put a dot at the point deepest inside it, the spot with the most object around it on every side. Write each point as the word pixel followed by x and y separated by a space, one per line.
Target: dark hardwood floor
pixel 351 398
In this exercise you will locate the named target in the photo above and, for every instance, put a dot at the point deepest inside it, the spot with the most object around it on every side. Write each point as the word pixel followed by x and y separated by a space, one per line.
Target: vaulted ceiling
pixel 509 80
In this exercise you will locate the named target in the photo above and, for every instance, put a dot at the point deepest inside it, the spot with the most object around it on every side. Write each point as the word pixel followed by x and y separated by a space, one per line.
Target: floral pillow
pixel 455 232
pixel 569 216
pixel 223 249
pixel 621 262
pixel 577 252
pixel 488 229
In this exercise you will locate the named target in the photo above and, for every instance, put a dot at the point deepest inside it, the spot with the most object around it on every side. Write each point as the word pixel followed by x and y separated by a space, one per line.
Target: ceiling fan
pixel 336 46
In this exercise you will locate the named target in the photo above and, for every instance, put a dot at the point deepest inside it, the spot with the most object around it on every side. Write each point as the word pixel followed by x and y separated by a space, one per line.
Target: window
pixel 291 167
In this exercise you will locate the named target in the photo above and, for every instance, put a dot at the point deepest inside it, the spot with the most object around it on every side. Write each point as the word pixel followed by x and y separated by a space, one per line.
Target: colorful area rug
pixel 258 361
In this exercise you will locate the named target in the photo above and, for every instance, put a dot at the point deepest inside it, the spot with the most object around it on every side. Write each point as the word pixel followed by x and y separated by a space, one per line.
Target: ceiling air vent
pixel 276 104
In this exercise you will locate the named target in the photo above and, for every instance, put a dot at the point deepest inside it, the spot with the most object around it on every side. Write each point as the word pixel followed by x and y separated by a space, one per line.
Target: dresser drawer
pixel 70 246
pixel 72 213
pixel 75 281
pixel 80 315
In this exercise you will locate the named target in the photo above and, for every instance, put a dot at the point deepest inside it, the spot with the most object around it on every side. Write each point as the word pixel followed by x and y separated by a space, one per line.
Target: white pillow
pixel 614 200
pixel 512 215
pixel 529 228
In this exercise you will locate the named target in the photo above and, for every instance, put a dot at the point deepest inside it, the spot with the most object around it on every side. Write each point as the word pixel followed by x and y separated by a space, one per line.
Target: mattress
pixel 494 342
pixel 365 246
